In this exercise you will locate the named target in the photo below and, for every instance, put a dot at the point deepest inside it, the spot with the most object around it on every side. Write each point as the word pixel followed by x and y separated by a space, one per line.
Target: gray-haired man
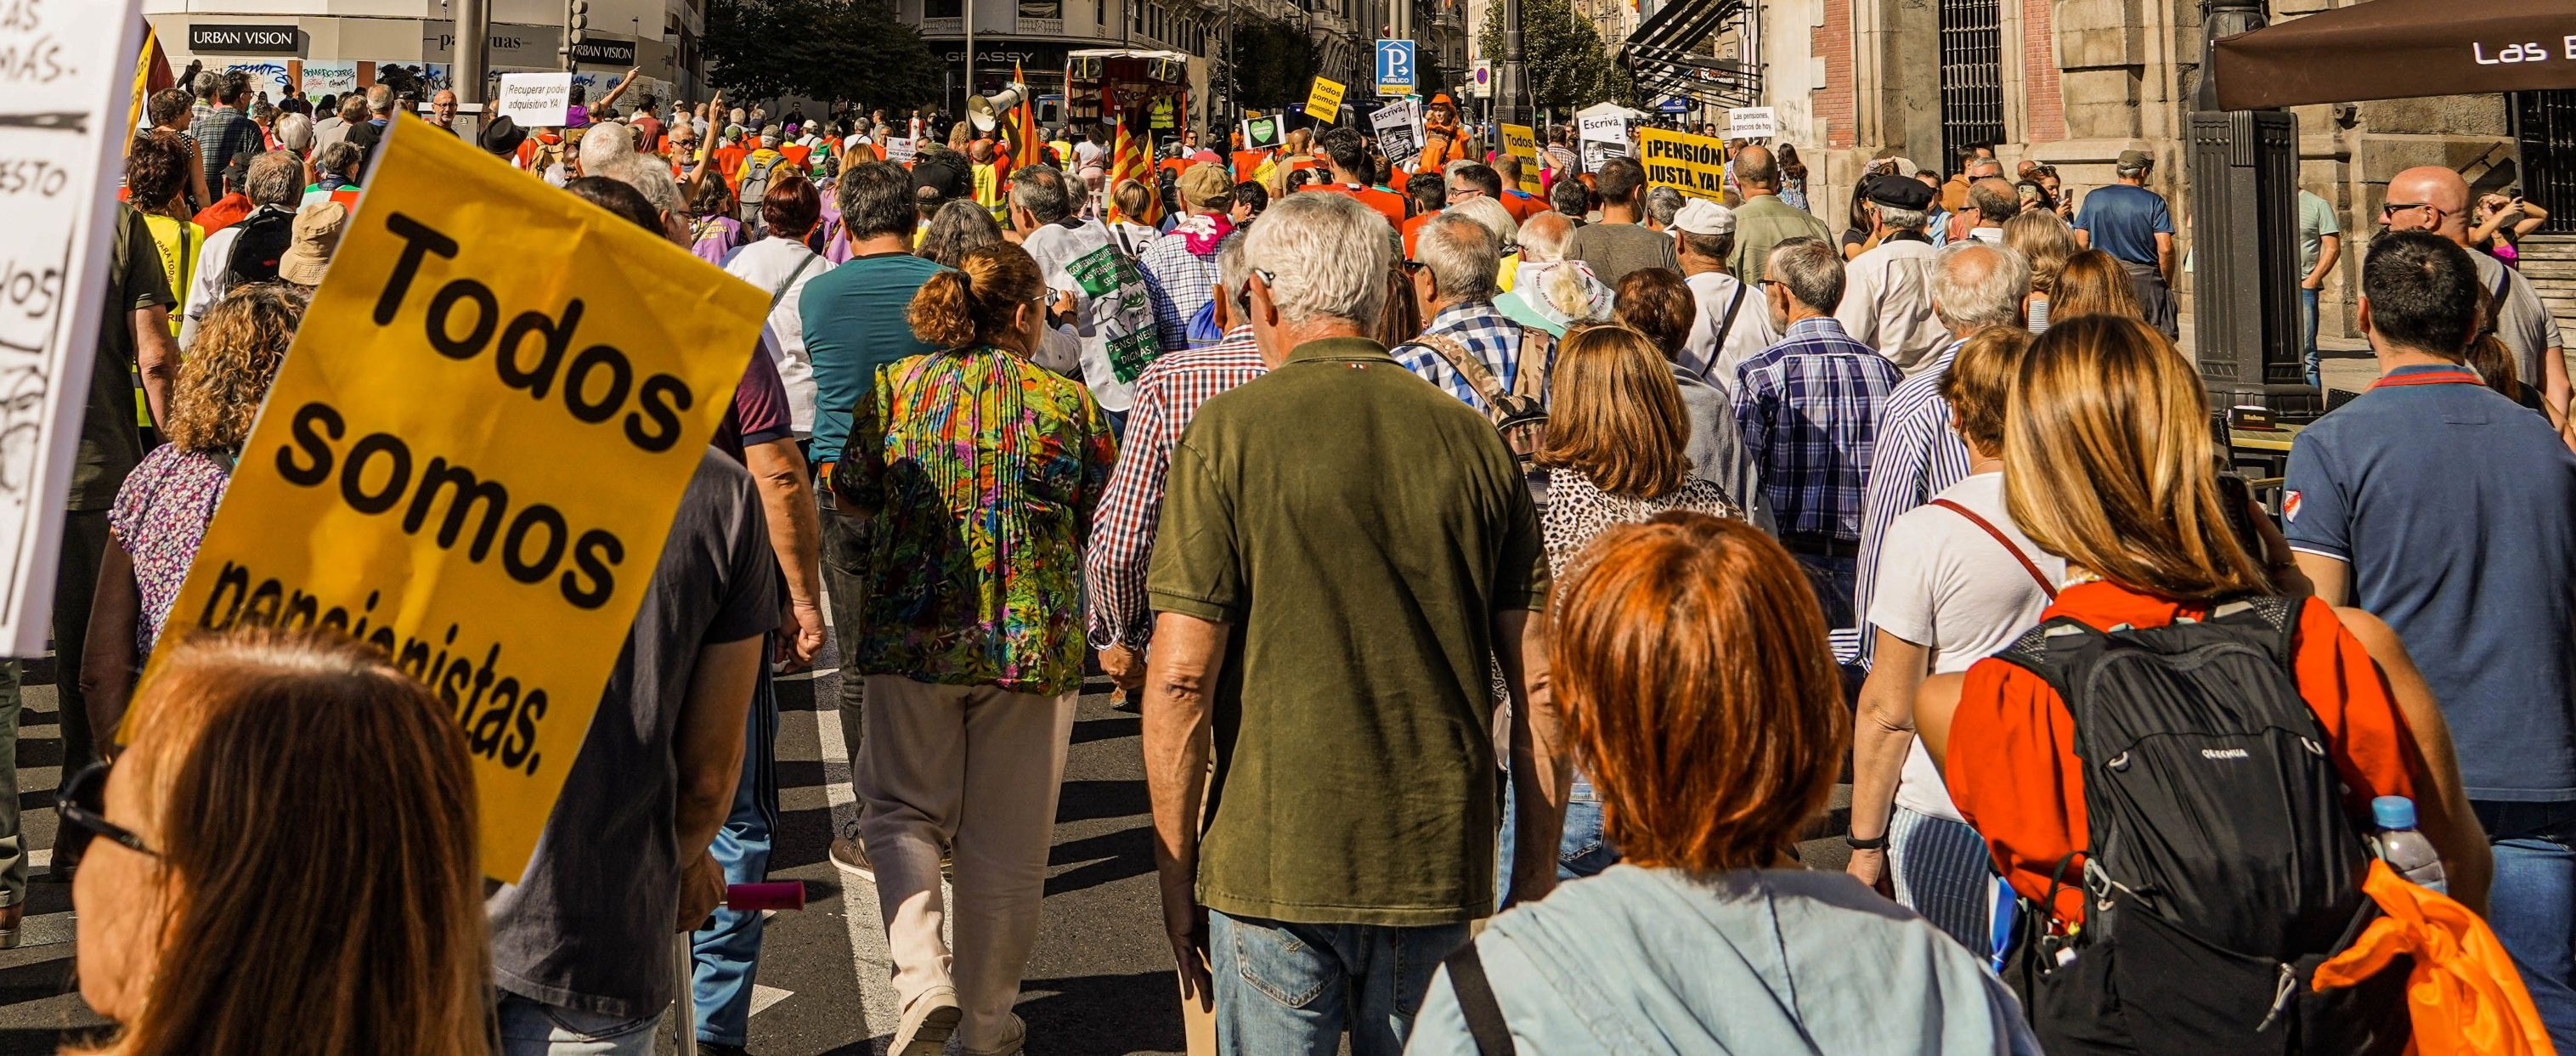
pixel 1264 576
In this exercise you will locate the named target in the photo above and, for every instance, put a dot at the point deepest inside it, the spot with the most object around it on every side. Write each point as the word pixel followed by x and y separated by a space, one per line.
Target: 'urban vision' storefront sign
pixel 240 39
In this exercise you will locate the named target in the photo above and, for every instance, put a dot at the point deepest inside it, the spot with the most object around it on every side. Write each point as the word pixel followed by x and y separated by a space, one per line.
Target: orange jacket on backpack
pixel 2463 992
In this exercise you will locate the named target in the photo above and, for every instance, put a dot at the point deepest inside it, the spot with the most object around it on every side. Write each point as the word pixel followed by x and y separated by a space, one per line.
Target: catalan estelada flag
pixel 1127 161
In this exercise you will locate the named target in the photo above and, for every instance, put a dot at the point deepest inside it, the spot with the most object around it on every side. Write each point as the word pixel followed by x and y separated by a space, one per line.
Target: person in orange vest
pixel 1348 154
pixel 1444 137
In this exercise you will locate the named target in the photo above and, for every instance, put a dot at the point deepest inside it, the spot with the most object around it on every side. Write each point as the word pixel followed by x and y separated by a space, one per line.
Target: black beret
pixel 1899 192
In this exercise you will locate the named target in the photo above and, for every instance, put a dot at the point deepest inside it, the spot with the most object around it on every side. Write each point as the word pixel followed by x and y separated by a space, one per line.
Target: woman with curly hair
pixel 162 511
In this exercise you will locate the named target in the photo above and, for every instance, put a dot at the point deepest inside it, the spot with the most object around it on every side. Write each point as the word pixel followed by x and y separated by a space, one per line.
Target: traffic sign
pixel 1481 79
pixel 1674 104
pixel 1395 70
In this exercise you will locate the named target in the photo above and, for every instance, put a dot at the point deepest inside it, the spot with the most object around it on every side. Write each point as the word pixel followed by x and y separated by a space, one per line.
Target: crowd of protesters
pixel 1591 532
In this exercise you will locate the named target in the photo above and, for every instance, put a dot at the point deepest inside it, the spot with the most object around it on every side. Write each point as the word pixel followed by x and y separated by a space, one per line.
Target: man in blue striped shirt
pixel 1453 280
pixel 1974 286
pixel 1808 408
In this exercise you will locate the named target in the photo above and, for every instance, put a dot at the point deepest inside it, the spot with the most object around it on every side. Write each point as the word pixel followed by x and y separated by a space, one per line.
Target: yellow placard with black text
pixel 1521 141
pixel 1693 165
pixel 473 452
pixel 1324 102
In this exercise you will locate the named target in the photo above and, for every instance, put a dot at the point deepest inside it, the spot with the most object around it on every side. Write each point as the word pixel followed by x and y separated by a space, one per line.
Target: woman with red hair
pixel 1690 662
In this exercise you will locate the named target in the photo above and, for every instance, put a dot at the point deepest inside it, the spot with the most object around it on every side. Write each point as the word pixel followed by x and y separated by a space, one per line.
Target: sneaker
pixel 851 856
pixel 927 1023
pixel 1019 1037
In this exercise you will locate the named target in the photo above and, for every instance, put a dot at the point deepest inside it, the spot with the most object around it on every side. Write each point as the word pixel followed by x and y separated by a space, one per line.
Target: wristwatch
pixel 1874 843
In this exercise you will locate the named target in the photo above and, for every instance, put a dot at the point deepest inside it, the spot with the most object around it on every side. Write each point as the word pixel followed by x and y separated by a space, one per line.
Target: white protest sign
pixel 899 151
pixel 64 119
pixel 536 100
pixel 1399 130
pixel 1752 122
pixel 1604 127
pixel 329 78
pixel 1596 152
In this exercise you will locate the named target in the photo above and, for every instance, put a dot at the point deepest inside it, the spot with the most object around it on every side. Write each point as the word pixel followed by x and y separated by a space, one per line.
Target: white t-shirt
pixel 1113 323
pixel 767 264
pixel 1703 354
pixel 1945 584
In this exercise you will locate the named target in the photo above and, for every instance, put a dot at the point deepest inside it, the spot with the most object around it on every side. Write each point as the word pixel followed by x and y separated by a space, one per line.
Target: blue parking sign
pixel 1395 74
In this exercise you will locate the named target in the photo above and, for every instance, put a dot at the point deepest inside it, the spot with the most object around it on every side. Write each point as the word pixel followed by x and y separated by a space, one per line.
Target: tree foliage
pixel 852 50
pixel 1567 67
pixel 1275 62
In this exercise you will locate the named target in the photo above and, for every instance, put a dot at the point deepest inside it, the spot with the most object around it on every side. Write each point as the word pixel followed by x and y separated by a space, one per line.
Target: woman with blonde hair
pixel 2106 464
pixel 978 472
pixel 1616 442
pixel 163 508
pixel 2047 243
pixel 1678 643
pixel 284 863
pixel 2092 282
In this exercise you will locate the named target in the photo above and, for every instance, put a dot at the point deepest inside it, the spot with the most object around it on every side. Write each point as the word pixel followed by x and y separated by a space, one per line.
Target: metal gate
pixel 2544 126
pixel 1972 77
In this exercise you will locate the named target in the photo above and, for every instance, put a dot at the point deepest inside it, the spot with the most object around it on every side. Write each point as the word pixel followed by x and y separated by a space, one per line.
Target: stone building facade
pixel 2072 83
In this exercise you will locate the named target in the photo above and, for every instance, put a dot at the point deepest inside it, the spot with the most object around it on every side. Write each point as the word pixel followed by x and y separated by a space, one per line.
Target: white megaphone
pixel 986 110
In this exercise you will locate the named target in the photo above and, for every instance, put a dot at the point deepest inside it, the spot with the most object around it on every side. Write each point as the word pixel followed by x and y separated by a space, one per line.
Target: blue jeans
pixel 1293 989
pixel 726 954
pixel 2308 332
pixel 2532 905
pixel 531 1028
pixel 1581 849
pixel 1837 581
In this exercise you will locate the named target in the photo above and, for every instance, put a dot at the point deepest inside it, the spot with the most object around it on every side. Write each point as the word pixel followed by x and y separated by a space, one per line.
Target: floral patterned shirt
pixel 982 471
pixel 160 516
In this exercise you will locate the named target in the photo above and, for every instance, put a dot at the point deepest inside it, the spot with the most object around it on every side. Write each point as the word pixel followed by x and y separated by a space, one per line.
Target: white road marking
pixel 764 996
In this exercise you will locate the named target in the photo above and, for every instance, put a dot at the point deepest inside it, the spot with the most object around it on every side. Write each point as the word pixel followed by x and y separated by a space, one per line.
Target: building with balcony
pixel 329 47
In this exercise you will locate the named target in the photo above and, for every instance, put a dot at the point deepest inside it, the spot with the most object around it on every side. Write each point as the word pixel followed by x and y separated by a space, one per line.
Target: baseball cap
pixel 1203 183
pixel 1700 216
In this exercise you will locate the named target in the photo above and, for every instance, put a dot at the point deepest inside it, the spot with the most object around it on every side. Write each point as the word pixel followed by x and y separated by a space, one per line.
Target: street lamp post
pixel 1511 83
pixel 473 31
pixel 2243 178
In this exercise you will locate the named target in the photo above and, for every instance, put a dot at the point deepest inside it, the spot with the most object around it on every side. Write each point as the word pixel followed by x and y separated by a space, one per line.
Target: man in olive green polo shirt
pixel 1342 547
pixel 1764 221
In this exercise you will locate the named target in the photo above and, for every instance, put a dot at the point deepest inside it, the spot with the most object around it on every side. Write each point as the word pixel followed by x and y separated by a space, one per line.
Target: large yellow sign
pixel 1693 165
pixel 1324 103
pixel 473 452
pixel 1521 141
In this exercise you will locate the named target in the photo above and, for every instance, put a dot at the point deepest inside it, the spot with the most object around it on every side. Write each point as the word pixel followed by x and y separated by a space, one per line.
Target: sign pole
pixel 473 35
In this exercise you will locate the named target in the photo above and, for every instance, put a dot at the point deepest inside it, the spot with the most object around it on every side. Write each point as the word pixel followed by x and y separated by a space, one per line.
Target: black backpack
pixel 264 236
pixel 2224 865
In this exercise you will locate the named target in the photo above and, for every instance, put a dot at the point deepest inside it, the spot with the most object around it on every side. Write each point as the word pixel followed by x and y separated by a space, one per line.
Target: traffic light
pixel 576 30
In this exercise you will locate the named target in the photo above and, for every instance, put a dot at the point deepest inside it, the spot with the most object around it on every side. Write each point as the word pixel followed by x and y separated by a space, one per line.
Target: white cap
pixel 1699 216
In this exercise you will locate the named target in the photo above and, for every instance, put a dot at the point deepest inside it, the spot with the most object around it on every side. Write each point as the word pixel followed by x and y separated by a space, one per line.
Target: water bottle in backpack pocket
pixel 2224 863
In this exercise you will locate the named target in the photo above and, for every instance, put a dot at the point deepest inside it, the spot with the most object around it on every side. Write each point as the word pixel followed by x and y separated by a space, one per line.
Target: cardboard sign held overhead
pixel 1324 103
pixel 536 100
pixel 1264 133
pixel 900 151
pixel 1399 131
pixel 1755 123
pixel 1693 165
pixel 472 455
pixel 1521 141
pixel 63 124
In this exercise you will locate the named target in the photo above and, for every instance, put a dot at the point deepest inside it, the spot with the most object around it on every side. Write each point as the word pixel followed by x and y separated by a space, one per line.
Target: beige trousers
pixel 974 769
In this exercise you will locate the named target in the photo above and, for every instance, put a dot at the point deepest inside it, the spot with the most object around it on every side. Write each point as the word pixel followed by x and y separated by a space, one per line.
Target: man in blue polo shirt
pixel 2472 560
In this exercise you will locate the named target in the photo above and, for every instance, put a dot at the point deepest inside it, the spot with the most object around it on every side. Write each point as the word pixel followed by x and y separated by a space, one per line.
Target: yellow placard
pixel 1324 103
pixel 1521 141
pixel 1693 165
pixel 473 452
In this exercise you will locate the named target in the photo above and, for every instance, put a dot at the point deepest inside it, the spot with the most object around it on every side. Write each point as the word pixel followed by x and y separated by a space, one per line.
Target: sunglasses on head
pixel 84 815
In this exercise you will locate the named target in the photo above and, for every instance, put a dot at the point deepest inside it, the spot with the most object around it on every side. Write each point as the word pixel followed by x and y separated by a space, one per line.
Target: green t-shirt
pixel 110 444
pixel 1357 529
pixel 1761 224
pixel 2316 221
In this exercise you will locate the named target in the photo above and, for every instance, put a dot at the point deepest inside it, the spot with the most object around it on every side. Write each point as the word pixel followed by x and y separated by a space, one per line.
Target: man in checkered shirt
pixel 1453 279
pixel 226 131
pixel 1180 267
pixel 1809 408
pixel 1167 395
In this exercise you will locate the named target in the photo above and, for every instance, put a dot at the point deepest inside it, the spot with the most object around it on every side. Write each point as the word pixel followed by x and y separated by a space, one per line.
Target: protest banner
pixel 1324 102
pixel 1596 152
pixel 472 454
pixel 1264 133
pixel 537 100
pixel 1693 165
pixel 899 150
pixel 1399 131
pixel 329 78
pixel 1606 123
pixel 63 129
pixel 1521 141
pixel 1754 123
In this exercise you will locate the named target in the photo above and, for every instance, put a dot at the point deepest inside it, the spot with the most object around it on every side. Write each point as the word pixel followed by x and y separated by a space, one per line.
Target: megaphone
pixel 986 110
